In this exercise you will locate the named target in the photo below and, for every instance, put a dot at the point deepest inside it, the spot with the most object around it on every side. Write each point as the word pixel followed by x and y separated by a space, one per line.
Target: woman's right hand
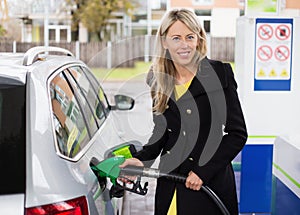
pixel 130 162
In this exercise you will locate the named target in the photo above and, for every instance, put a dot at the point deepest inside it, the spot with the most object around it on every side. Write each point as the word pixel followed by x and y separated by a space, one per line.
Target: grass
pixel 138 72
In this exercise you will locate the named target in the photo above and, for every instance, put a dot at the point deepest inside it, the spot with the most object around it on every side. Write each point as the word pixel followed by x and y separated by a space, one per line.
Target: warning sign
pixel 273 49
pixel 261 73
pixel 265 32
pixel 284 73
pixel 273 73
pixel 283 32
pixel 282 53
pixel 264 53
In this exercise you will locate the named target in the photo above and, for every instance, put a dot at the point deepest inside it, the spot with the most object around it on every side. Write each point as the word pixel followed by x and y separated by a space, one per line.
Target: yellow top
pixel 173 207
pixel 179 91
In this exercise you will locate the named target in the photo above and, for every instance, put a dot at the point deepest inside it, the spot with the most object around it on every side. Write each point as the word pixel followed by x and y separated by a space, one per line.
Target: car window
pixel 71 131
pixel 84 86
pixel 83 93
pixel 12 138
pixel 98 90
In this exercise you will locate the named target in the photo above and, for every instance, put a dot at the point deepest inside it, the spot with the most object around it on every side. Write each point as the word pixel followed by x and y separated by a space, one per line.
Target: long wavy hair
pixel 163 71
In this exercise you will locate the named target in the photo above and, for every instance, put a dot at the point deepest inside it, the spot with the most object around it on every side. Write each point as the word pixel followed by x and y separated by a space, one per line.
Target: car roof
pixel 15 66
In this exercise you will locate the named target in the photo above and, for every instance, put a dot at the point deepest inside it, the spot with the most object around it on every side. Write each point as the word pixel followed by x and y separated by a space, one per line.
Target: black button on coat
pixel 201 132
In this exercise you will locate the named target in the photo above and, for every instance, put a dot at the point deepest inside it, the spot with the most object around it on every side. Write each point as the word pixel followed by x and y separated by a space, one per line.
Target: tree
pixel 94 14
pixel 2 31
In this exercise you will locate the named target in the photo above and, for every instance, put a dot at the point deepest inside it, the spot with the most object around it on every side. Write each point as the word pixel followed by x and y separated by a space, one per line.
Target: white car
pixel 55 120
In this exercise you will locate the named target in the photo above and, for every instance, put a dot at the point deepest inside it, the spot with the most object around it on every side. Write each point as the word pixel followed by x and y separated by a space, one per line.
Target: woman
pixel 199 124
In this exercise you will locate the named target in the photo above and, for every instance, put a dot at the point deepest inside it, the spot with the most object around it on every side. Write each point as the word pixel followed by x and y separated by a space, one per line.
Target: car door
pixel 85 130
pixel 12 145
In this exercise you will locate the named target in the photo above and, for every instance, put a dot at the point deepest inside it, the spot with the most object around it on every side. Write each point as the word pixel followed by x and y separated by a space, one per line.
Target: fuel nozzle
pixel 109 168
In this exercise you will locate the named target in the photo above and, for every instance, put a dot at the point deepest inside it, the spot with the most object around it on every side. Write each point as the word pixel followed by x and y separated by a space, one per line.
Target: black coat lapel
pixel 211 77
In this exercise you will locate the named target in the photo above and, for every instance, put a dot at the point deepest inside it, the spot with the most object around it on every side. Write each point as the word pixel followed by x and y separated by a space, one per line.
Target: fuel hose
pixel 156 173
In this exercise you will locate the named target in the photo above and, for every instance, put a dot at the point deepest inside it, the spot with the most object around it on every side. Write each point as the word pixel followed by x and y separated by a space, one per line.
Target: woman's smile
pixel 184 54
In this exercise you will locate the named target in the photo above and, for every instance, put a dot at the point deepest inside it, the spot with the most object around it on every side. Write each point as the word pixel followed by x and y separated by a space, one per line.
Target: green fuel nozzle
pixel 116 156
pixel 109 168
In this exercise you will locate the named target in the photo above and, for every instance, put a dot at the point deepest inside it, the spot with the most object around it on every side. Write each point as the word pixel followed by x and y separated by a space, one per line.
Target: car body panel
pixel 50 176
pixel 20 77
pixel 7 202
pixel 42 174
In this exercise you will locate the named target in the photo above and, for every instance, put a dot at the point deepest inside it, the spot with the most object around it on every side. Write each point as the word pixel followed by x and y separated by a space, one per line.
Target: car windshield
pixel 12 138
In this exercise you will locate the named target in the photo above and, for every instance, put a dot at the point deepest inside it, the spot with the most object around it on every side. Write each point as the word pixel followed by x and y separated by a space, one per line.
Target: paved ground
pixel 134 204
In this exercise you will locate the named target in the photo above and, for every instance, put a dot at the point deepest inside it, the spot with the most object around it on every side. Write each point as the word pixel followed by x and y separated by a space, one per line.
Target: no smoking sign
pixel 265 32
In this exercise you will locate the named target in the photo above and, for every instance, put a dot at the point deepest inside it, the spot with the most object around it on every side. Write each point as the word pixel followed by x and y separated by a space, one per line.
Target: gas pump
pixel 267 69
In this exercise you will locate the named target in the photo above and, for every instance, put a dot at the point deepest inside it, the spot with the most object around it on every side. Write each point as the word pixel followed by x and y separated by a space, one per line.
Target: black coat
pixel 201 132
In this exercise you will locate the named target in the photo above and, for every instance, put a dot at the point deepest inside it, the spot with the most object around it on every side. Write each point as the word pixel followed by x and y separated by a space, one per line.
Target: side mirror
pixel 123 102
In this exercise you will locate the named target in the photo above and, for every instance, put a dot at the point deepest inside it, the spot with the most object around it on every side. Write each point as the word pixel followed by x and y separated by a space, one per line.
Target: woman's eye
pixel 191 37
pixel 175 38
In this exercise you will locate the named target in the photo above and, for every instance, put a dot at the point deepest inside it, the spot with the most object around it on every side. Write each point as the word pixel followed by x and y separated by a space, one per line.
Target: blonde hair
pixel 163 68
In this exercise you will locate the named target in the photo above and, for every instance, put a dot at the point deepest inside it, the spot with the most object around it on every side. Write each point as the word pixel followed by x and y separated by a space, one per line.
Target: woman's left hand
pixel 193 181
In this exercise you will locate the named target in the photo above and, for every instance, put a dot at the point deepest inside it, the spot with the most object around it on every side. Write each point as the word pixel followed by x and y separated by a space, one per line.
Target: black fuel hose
pixel 155 173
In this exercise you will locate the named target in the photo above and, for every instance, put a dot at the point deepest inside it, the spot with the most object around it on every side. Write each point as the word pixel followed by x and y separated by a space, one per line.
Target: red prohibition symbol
pixel 283 32
pixel 282 53
pixel 265 32
pixel 264 53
